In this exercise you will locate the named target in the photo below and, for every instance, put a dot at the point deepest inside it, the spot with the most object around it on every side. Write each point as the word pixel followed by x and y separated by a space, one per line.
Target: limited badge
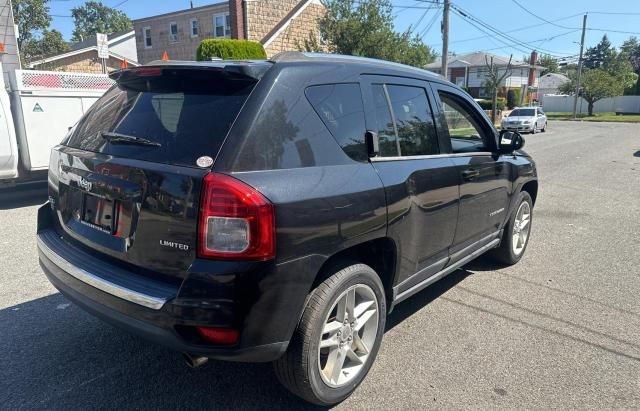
pixel 204 161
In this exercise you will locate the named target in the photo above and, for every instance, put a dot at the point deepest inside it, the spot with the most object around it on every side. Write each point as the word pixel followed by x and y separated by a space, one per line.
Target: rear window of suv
pixel 184 114
pixel 340 109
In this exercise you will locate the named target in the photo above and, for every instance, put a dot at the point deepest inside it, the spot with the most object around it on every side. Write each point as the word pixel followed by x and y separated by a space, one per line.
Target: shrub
pixel 488 105
pixel 513 98
pixel 230 49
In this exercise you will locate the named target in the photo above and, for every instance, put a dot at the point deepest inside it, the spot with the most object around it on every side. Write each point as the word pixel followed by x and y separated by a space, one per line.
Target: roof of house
pixel 89 45
pixel 556 76
pixel 477 59
pixel 286 21
pixel 552 80
pixel 93 41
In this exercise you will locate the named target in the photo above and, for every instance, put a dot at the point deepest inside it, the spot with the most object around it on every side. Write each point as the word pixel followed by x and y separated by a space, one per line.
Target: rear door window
pixel 341 110
pixel 404 121
pixel 185 113
pixel 414 121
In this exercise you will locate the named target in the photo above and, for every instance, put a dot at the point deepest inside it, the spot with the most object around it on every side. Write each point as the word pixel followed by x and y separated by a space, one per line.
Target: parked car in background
pixel 525 119
pixel 278 210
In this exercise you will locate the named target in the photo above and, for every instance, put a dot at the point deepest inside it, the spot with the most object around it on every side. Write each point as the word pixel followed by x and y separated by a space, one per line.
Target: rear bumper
pixel 148 308
pixel 527 127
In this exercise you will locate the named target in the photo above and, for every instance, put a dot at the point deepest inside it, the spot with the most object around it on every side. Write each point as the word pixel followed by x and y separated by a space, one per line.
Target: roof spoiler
pixel 248 70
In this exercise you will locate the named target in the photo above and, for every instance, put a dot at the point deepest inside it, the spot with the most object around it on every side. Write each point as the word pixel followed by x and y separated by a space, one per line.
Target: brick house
pixel 83 56
pixel 470 71
pixel 279 25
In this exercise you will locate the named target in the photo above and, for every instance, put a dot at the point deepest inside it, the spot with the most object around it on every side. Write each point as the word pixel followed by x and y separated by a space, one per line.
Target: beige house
pixel 83 56
pixel 280 25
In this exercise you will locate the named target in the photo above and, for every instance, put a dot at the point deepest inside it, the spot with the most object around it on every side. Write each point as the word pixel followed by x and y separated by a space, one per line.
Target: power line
pixel 612 31
pixel 421 18
pixel 491 36
pixel 534 41
pixel 429 26
pixel 119 4
pixel 542 19
pixel 586 12
pixel 472 19
pixel 518 29
pixel 612 13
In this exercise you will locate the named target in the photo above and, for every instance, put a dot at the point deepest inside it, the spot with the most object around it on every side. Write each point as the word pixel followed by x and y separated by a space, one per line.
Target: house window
pixel 478 73
pixel 222 25
pixel 173 32
pixel 146 34
pixel 195 28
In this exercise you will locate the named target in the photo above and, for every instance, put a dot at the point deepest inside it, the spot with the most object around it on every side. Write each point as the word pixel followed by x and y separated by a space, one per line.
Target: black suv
pixel 278 210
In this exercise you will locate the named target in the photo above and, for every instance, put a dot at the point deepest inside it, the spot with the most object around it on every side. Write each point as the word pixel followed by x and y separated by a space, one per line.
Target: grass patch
pixel 462 132
pixel 626 118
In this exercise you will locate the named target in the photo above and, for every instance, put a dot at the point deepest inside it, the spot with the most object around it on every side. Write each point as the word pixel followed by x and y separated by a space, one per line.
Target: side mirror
pixel 510 141
pixel 373 145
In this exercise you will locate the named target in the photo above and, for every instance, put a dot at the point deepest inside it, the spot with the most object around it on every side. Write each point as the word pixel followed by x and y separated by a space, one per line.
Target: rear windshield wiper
pixel 126 139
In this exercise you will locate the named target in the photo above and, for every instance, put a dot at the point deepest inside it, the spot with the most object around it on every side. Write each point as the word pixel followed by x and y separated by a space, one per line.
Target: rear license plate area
pixel 99 213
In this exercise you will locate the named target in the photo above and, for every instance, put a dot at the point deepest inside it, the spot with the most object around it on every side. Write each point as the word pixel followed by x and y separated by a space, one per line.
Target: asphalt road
pixel 559 330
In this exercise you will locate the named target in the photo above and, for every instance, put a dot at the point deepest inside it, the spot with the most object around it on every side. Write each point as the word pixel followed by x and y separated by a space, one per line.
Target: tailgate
pixel 126 180
pixel 140 213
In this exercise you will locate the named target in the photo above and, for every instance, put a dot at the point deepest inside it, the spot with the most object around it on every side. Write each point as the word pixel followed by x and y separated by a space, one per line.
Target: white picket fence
pixel 623 104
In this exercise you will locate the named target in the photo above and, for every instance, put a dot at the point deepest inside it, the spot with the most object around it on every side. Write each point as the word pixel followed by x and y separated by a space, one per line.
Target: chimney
pixel 236 15
pixel 532 71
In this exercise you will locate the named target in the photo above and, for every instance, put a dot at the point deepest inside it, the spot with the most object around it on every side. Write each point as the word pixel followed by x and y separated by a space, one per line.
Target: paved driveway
pixel 560 329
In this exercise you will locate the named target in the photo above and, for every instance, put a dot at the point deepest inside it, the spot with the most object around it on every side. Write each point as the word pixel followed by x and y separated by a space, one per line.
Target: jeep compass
pixel 278 210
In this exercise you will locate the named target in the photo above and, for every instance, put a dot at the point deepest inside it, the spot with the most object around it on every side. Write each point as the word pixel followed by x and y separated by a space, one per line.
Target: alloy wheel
pixel 521 227
pixel 348 335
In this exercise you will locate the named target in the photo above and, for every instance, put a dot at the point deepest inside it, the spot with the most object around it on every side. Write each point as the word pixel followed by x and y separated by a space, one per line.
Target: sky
pixel 555 28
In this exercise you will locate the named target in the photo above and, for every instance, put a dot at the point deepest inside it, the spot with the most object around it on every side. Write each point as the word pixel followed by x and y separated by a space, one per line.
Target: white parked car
pixel 525 119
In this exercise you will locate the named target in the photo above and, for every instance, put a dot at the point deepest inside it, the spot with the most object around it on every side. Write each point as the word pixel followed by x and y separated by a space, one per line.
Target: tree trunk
pixel 494 103
pixel 590 108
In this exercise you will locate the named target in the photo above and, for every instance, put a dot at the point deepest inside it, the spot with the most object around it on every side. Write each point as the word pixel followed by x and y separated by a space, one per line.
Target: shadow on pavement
pixel 55 356
pixel 23 196
pixel 420 300
pixel 636 154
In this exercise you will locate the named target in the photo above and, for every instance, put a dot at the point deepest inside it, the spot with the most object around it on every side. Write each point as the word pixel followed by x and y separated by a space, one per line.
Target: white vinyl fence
pixel 622 104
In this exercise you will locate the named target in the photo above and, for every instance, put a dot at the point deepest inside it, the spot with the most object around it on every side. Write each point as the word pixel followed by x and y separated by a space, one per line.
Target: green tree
pixel 49 43
pixel 601 55
pixel 30 16
pixel 630 50
pixel 595 84
pixel 366 29
pixel 94 17
pixel 549 63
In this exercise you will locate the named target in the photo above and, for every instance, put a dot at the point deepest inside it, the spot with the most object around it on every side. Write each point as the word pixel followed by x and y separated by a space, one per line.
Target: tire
pixel 506 253
pixel 301 370
pixel 533 130
pixel 544 129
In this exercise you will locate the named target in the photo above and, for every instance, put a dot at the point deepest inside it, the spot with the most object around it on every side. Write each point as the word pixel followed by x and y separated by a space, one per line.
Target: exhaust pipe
pixel 194 361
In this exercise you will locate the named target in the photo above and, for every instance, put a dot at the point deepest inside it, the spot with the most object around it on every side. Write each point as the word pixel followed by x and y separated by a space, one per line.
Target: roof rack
pixel 289 56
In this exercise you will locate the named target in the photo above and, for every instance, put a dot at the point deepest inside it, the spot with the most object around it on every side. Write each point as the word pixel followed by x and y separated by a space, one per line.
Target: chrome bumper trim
pixel 135 297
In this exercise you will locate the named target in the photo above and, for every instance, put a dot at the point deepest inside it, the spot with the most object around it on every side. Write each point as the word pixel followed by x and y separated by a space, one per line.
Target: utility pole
pixel 575 99
pixel 445 38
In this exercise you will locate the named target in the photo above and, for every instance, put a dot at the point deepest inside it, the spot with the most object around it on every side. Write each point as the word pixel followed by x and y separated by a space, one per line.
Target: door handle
pixel 470 174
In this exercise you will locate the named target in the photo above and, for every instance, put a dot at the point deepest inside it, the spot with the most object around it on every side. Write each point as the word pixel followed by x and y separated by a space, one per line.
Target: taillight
pixel 236 221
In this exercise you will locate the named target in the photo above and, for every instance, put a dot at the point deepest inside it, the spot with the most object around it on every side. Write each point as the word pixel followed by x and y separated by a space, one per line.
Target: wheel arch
pixel 531 187
pixel 380 254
